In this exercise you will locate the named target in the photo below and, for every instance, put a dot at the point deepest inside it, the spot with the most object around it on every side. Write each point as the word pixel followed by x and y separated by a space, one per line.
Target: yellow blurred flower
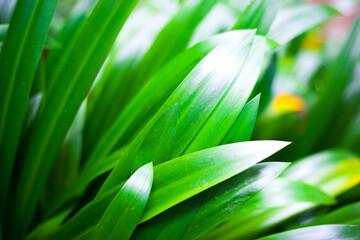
pixel 286 103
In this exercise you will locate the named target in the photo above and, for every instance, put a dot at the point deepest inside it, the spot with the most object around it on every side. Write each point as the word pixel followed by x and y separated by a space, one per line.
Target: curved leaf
pixel 125 210
pixel 269 207
pixel 244 124
pixel 337 78
pixel 147 102
pixel 259 14
pixel 199 214
pixel 291 22
pixel 179 30
pixel 62 103
pixel 349 214
pixel 177 180
pixel 232 102
pixel 325 232
pixel 19 59
pixel 305 184
pixel 3 30
pixel 226 198
pixel 198 95
pixel 333 171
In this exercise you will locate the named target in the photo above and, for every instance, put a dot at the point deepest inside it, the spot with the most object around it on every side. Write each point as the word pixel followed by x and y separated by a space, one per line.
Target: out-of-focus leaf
pixel 177 180
pixel 259 14
pixel 32 110
pixel 67 166
pixel 293 21
pixel 85 178
pixel 45 228
pixel 333 171
pixel 179 30
pixel 243 127
pixel 349 214
pixel 3 31
pixel 108 95
pixel 66 38
pixel 284 192
pixel 197 95
pixel 264 84
pixel 62 103
pixel 337 78
pixel 19 59
pixel 324 232
pixel 305 184
pixel 267 208
pixel 125 210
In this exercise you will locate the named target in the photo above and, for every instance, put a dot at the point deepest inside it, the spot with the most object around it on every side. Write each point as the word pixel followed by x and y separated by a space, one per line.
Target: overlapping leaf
pixel 340 232
pixel 178 180
pixel 126 208
pixel 19 58
pixel 62 103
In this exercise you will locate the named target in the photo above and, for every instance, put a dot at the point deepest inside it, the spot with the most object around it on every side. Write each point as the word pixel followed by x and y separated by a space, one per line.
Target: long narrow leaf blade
pixel 243 127
pixel 88 54
pixel 178 180
pixel 325 232
pixel 125 210
pixel 294 21
pixel 19 59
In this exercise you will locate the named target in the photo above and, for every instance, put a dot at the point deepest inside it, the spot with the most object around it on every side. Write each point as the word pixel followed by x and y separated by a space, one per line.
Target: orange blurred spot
pixel 285 103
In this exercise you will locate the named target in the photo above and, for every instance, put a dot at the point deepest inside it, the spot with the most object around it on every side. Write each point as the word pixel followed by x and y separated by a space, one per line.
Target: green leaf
pixel 85 178
pixel 179 30
pixel 3 30
pixel 60 107
pixel 337 78
pixel 292 22
pixel 66 38
pixel 283 192
pixel 116 77
pixel 224 199
pixel 180 179
pixel 66 169
pixel 259 14
pixel 45 228
pixel 333 171
pixel 125 210
pixel 243 127
pixel 264 84
pixel 305 184
pixel 349 214
pixel 19 59
pixel 197 95
pixel 177 180
pixel 199 214
pixel 158 144
pixel 324 232
pixel 147 102
pixel 274 204
pixel 32 109
pixel 233 101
